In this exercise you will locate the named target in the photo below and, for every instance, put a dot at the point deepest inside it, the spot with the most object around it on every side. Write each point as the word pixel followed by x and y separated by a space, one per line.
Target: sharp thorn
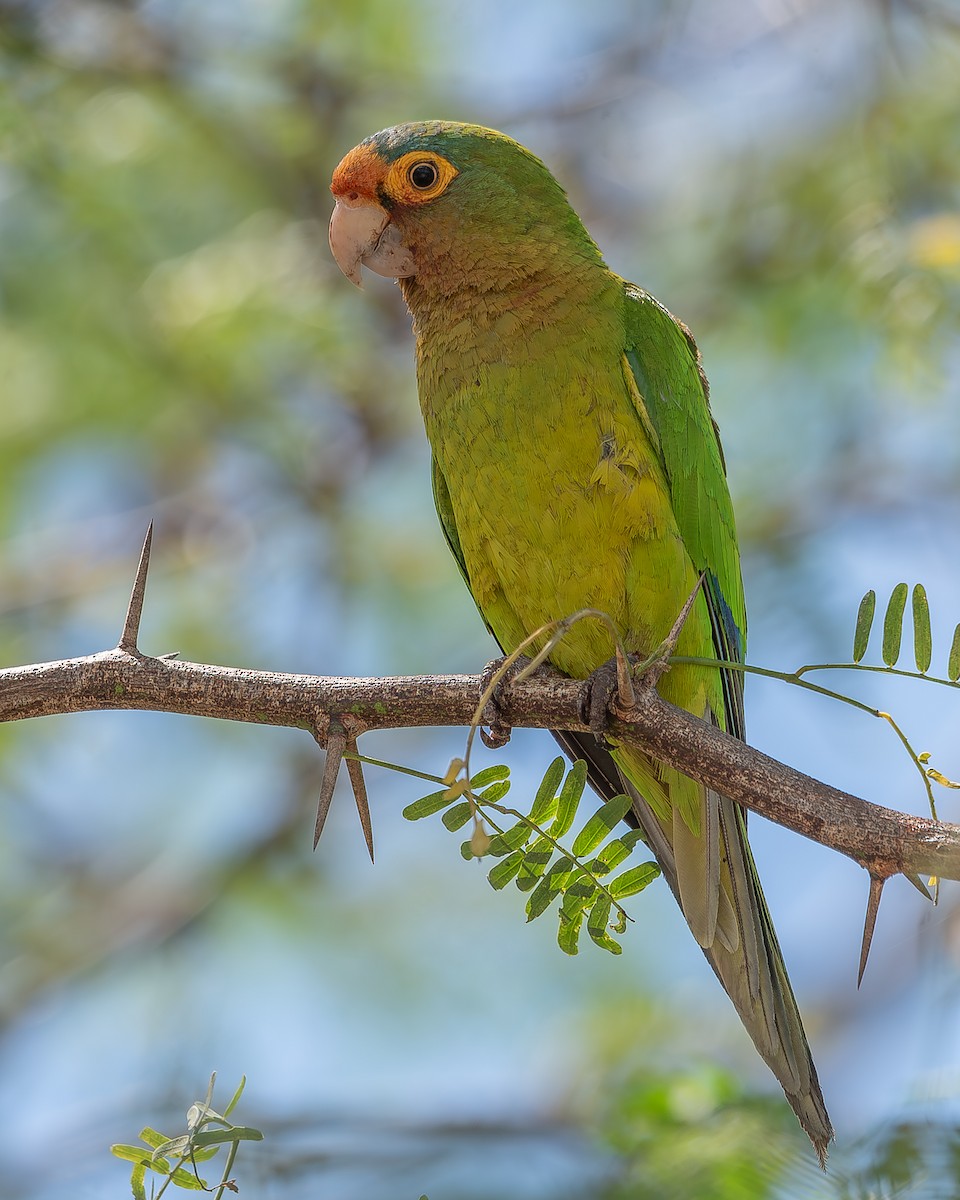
pixel 920 886
pixel 674 635
pixel 870 921
pixel 131 622
pixel 659 662
pixel 355 771
pixel 626 695
pixel 336 744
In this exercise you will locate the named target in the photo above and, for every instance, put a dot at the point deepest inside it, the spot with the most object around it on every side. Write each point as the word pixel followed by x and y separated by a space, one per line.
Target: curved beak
pixel 361 233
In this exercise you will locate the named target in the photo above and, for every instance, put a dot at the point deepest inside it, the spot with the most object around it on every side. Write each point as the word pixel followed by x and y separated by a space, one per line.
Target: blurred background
pixel 177 345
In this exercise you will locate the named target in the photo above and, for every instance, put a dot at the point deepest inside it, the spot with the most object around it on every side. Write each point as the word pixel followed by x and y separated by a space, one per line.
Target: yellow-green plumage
pixel 576 465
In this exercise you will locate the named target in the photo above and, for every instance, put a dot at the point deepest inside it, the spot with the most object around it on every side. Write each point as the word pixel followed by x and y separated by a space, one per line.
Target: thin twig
pixel 660 661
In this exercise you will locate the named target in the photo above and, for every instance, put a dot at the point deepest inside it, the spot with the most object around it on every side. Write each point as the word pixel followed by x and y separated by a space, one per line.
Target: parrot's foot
pixel 496 676
pixel 601 690
pixel 496 730
pixel 615 681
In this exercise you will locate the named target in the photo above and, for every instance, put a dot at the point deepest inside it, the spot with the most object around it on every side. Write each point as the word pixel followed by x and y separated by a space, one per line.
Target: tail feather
pixel 744 952
pixel 697 861
pixel 746 891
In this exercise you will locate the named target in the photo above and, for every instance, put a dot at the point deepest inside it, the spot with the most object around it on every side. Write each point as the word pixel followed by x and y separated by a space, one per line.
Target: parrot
pixel 576 465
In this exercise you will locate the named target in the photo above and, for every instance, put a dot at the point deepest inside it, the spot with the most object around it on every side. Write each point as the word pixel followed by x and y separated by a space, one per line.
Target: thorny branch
pixel 889 841
pixel 337 710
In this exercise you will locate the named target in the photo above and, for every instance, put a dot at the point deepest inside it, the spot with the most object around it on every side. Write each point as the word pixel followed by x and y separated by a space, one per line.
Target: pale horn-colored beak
pixel 361 233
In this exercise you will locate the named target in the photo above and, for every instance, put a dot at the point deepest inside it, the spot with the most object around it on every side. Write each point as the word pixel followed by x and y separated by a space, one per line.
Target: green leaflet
pixel 534 864
pixel 549 887
pixel 494 793
pixel 504 871
pixel 489 775
pixel 600 825
pixel 597 926
pixel 633 881
pixel 953 662
pixel 893 624
pixel 456 817
pixel 613 853
pixel 133 1154
pixel 922 638
pixel 426 806
pixel 578 895
pixel 512 839
pixel 235 1133
pixel 568 934
pixel 141 1156
pixel 153 1137
pixel 210 1151
pixel 569 798
pixel 939 777
pixel 235 1098
pixel 861 635
pixel 545 801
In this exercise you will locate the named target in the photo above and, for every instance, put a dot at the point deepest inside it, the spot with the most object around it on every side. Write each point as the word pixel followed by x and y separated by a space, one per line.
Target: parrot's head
pixel 448 204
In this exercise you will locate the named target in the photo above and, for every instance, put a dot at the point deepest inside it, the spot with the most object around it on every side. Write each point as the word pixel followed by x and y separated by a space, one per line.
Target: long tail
pixel 735 932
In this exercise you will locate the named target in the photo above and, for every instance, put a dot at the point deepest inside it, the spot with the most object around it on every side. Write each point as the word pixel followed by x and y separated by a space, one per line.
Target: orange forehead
pixel 362 171
pixel 363 174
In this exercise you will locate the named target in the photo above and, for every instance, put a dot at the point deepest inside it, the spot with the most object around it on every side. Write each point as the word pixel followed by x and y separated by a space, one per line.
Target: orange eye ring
pixel 419 176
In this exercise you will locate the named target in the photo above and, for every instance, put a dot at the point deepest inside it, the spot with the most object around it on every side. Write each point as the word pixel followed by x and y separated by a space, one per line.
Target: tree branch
pixel 880 839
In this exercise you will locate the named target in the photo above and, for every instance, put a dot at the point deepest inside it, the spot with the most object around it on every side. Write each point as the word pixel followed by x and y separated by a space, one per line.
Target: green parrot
pixel 576 465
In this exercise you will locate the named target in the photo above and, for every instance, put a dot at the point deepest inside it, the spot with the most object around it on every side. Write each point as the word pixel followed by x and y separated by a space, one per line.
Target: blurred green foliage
pixel 175 343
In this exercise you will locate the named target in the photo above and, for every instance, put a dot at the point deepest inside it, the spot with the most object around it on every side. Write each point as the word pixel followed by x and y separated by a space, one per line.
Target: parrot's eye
pixel 418 177
pixel 423 175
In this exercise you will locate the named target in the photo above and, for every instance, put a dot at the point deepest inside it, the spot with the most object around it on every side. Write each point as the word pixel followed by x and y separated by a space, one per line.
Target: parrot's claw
pixel 601 689
pixel 613 685
pixel 496 733
pixel 496 729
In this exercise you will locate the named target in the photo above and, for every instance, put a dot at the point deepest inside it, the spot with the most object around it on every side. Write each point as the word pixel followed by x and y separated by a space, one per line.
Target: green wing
pixel 665 364
pixel 671 396
pixel 441 500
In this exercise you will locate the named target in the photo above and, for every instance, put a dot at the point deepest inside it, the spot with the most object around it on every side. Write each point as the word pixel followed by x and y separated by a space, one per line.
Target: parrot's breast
pixel 559 497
